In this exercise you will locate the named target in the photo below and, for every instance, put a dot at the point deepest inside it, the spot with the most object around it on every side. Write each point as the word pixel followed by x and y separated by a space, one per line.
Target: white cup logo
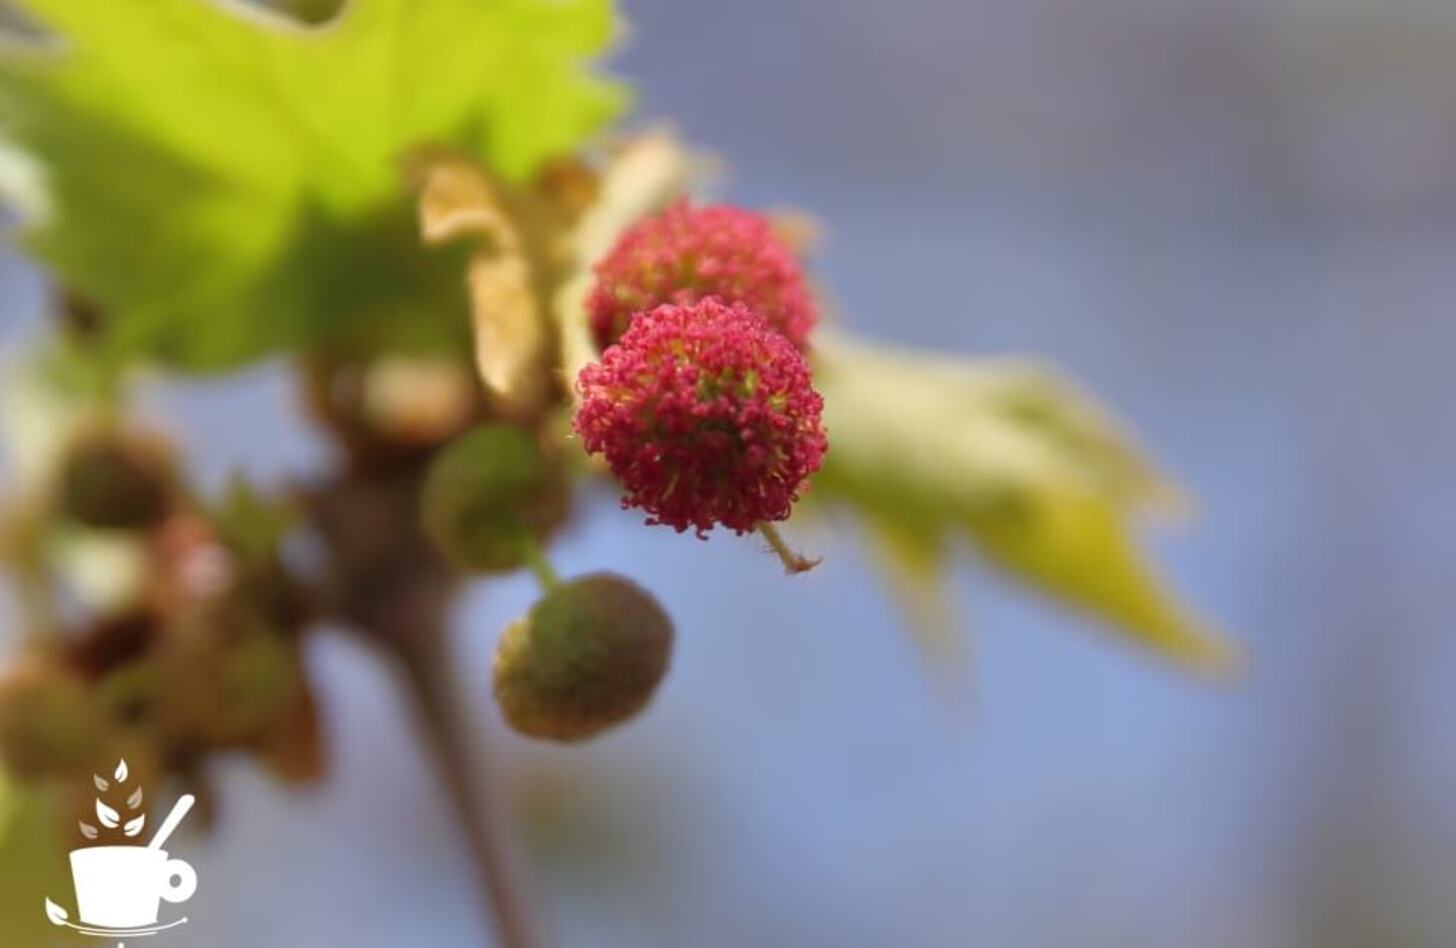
pixel 120 889
pixel 123 886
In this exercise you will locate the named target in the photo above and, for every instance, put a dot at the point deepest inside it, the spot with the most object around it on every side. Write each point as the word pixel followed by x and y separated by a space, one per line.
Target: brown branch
pixel 388 583
pixel 426 663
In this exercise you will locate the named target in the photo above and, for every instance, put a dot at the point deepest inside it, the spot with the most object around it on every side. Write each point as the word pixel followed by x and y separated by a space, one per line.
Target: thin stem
pixel 794 562
pixel 540 565
pixel 426 663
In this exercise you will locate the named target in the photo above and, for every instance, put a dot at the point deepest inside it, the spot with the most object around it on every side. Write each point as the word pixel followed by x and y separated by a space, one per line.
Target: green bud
pixel 113 479
pixel 225 679
pixel 588 656
pixel 489 496
pixel 48 722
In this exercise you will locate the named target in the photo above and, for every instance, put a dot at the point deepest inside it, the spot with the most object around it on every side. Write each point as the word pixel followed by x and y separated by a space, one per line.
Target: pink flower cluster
pixel 706 414
pixel 686 254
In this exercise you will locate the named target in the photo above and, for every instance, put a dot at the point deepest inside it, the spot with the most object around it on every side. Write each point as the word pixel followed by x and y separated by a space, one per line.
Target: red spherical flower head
pixel 686 254
pixel 706 415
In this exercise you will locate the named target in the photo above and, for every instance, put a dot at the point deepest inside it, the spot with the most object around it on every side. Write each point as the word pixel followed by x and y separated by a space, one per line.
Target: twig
pixel 389 584
pixel 426 665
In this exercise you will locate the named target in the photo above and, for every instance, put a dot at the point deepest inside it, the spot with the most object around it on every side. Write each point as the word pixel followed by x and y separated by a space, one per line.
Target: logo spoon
pixel 179 811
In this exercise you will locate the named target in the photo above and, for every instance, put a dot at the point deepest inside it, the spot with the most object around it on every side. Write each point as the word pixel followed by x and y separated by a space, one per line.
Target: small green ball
pixel 489 496
pixel 589 656
pixel 114 479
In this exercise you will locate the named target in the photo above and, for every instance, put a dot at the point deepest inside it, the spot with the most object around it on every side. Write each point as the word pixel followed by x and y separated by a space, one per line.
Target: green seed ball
pixel 489 496
pixel 588 656
pixel 115 479
pixel 48 722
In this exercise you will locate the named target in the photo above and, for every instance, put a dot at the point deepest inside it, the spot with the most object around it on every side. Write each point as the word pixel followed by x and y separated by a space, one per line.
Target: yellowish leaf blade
pixel 913 565
pixel 1006 453
pixel 1076 548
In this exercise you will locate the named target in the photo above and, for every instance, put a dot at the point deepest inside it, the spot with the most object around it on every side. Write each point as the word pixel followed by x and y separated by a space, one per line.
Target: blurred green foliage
pixel 226 183
pixel 33 864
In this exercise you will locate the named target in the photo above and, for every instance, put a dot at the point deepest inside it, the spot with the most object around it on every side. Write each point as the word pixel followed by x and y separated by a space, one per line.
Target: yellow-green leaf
pixel 913 564
pixel 1006 454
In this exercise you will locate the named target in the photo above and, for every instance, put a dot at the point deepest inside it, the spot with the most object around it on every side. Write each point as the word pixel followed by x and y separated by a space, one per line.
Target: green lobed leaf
pixel 1006 454
pixel 226 181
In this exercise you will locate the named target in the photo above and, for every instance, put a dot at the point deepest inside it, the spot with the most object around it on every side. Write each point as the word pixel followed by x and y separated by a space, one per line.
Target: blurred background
pixel 1234 220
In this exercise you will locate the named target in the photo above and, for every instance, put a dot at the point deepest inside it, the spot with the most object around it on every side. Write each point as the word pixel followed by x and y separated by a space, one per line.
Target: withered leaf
pixel 457 200
pixel 647 172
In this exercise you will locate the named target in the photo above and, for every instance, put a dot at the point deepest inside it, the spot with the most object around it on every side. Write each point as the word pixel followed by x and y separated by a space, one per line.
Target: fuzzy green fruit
pixel 588 656
pixel 113 479
pixel 48 723
pixel 489 496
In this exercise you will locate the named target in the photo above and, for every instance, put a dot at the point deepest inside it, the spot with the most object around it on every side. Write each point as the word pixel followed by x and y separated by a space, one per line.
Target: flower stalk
pixel 794 561
pixel 540 565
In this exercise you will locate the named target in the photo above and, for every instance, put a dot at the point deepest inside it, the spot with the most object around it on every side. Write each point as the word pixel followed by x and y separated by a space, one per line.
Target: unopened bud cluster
pixel 201 656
